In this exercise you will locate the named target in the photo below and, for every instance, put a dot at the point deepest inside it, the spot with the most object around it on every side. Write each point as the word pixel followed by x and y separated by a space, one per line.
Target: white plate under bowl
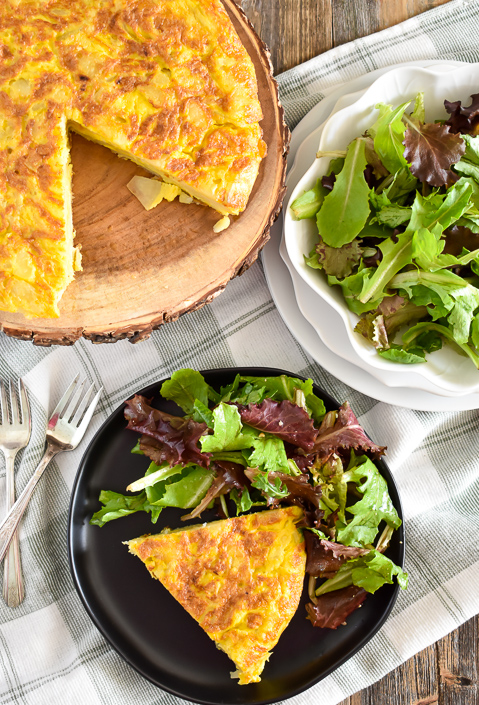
pixel 445 372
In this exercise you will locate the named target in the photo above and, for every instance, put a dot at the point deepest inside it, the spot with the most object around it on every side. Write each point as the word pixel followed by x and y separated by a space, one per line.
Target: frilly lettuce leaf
pixel 430 150
pixel 374 507
pixel 284 419
pixel 464 120
pixel 336 261
pixel 185 387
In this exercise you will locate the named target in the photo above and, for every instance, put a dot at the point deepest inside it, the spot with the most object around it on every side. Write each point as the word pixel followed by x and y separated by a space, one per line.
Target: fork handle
pixel 10 523
pixel 13 592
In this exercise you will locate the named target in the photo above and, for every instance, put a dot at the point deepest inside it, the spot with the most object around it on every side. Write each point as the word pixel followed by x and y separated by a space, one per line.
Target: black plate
pixel 146 625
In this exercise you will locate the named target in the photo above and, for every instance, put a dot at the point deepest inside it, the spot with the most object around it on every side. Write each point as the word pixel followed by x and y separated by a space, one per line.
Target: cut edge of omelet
pixel 247 646
pixel 153 169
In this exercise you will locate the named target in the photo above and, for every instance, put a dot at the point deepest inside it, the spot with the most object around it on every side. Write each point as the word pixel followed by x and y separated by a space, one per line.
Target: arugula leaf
pixel 227 431
pixel 273 489
pixel 388 133
pixel 346 209
pixel 309 203
pixel 184 387
pixel 375 506
pixel 117 505
pixel 243 501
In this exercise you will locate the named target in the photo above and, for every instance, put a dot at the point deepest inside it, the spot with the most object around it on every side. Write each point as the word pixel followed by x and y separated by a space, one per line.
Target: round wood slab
pixel 144 268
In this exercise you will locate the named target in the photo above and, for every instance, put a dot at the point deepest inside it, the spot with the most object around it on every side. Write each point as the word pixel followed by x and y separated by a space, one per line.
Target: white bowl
pixel 446 370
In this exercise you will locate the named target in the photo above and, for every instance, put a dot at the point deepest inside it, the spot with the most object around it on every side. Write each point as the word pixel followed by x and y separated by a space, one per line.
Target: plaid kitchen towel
pixel 49 649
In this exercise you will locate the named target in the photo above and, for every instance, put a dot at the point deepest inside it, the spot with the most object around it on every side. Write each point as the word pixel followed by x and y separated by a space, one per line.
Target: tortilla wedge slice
pixel 241 579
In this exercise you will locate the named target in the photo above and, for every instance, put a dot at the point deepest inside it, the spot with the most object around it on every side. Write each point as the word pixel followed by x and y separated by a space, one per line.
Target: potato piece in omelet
pixel 240 578
pixel 164 83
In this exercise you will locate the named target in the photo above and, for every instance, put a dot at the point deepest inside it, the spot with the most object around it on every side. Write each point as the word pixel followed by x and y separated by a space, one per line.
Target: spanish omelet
pixel 165 83
pixel 241 579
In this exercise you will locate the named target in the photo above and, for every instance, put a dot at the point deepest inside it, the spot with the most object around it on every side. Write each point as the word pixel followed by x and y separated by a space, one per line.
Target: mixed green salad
pixel 261 442
pixel 398 230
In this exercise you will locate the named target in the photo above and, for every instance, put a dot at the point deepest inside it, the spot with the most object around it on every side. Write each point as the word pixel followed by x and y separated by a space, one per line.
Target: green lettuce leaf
pixel 309 203
pixel 374 507
pixel 396 255
pixel 406 357
pixel 388 132
pixel 269 454
pixel 117 505
pixel 370 572
pixel 459 298
pixel 189 491
pixel 346 209
pixel 410 335
pixel 184 387
pixel 227 433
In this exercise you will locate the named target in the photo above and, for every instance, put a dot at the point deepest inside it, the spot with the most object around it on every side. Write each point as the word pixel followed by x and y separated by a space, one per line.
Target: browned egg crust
pixel 241 579
pixel 166 83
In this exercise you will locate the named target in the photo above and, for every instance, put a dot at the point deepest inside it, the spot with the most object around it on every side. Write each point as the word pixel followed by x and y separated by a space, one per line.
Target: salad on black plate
pixel 263 442
pixel 398 230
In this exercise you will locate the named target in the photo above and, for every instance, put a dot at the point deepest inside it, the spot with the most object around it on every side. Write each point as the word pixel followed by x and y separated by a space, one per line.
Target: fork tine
pixel 62 403
pixel 74 401
pixel 82 406
pixel 4 404
pixel 24 404
pixel 14 404
pixel 88 414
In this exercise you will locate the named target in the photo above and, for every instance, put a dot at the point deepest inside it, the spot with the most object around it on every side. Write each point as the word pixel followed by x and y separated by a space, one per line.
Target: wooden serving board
pixel 144 268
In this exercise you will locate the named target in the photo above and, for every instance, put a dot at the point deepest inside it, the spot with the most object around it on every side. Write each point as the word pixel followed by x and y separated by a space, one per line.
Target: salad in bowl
pixel 385 224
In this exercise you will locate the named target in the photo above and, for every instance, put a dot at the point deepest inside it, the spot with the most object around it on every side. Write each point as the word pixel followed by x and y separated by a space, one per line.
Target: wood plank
pixel 391 13
pixel 294 30
pixel 458 662
pixel 354 19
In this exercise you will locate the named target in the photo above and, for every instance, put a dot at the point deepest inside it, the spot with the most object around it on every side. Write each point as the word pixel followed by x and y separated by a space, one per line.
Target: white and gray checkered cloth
pixel 49 649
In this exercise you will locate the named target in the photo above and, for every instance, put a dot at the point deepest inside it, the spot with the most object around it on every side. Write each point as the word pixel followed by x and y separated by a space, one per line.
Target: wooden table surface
pixel 296 30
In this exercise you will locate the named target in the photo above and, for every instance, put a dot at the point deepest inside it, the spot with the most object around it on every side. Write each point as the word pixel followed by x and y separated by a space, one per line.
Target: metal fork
pixel 65 429
pixel 15 429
